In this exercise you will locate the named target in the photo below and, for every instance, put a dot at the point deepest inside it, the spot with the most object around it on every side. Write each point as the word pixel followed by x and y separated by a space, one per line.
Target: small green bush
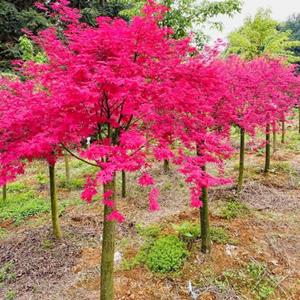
pixel 20 206
pixel 16 187
pixel 166 254
pixel 152 231
pixel 7 272
pixel 187 231
pixel 233 209
pixel 219 235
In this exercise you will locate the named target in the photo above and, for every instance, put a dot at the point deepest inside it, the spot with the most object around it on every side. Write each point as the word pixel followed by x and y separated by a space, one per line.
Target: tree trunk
pixel 67 169
pixel 283 132
pixel 242 159
pixel 268 149
pixel 274 141
pixel 4 192
pixel 123 184
pixel 204 220
pixel 166 166
pixel 54 204
pixel 108 249
pixel 102 3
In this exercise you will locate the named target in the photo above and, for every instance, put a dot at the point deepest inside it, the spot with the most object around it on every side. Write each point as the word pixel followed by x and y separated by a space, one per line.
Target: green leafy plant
pixel 187 231
pixel 233 209
pixel 166 254
pixel 7 272
pixel 219 235
pixel 152 231
pixel 10 295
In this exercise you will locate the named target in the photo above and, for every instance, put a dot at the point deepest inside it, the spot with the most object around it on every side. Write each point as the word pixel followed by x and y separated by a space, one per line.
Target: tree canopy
pixel 259 36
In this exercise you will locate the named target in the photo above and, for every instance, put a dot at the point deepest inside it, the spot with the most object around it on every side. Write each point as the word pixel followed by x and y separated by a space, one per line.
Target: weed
pixel 152 231
pixel 15 187
pixel 20 206
pixel 219 235
pixel 187 231
pixel 3 233
pixel 7 273
pixel 233 209
pixel 47 244
pixel 166 255
pixel 10 295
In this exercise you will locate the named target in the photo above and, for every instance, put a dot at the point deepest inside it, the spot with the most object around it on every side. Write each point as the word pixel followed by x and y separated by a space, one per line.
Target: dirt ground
pixel 270 234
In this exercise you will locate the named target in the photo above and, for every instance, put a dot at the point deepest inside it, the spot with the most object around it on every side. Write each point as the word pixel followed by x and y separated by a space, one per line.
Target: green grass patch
pixel 20 206
pixel 232 209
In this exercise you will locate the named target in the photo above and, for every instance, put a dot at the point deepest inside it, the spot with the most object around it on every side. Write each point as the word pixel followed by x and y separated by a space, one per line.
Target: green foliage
pixel 260 36
pixel 219 235
pixel 3 233
pixel 187 231
pixel 15 187
pixel 20 206
pixel 75 183
pixel 10 295
pixel 29 52
pixel 254 277
pixel 148 232
pixel 233 209
pixel 185 15
pixel 7 273
pixel 41 178
pixel 167 254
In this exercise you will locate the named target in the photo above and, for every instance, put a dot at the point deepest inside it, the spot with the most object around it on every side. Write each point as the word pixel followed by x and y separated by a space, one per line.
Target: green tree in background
pixel 185 16
pixel 260 36
pixel 293 26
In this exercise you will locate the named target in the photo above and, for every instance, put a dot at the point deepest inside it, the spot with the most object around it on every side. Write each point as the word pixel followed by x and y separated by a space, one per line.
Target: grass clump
pixel 219 235
pixel 152 231
pixel 187 231
pixel 233 209
pixel 166 254
pixel 20 206
pixel 254 278
pixel 7 273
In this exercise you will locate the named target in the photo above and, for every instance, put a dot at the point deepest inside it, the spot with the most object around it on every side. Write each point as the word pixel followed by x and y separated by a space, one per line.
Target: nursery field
pixel 255 236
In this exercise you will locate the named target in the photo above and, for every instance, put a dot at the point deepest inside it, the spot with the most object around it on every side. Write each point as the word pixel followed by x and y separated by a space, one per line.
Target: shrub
pixel 152 231
pixel 233 209
pixel 219 235
pixel 166 254
pixel 187 231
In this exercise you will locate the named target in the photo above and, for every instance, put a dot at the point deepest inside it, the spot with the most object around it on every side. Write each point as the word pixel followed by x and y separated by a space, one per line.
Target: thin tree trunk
pixel 123 184
pixel 67 169
pixel 54 204
pixel 268 149
pixel 274 141
pixel 166 166
pixel 102 3
pixel 204 220
pixel 242 159
pixel 283 132
pixel 108 249
pixel 4 192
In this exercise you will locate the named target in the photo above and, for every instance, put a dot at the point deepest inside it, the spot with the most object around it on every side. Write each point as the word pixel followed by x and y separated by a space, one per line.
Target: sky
pixel 281 10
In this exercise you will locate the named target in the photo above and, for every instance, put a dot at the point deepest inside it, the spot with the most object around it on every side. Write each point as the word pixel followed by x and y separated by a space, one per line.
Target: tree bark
pixel 166 166
pixel 274 141
pixel 242 159
pixel 204 220
pixel 283 132
pixel 123 184
pixel 268 149
pixel 54 203
pixel 108 249
pixel 299 118
pixel 4 192
pixel 67 169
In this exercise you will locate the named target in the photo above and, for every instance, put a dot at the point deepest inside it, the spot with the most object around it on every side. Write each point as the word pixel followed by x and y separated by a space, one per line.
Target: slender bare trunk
pixel 166 166
pixel 283 132
pixel 268 149
pixel 204 220
pixel 108 249
pixel 54 204
pixel 123 184
pixel 242 159
pixel 4 192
